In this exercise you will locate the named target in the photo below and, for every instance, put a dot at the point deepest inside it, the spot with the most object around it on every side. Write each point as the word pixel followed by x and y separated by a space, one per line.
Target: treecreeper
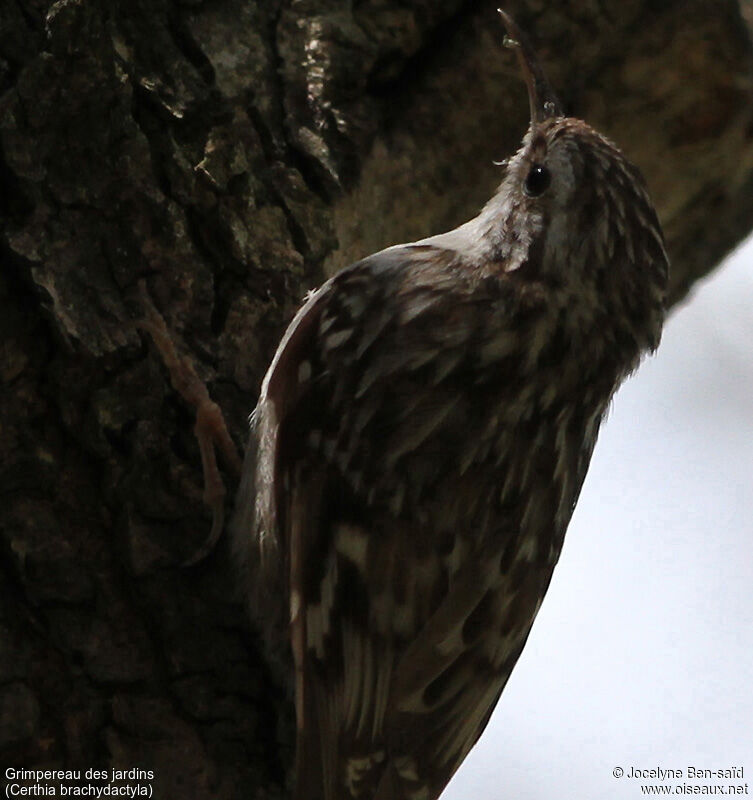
pixel 419 445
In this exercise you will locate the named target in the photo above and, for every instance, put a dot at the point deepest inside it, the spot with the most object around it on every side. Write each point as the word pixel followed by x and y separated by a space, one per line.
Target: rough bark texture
pixel 230 153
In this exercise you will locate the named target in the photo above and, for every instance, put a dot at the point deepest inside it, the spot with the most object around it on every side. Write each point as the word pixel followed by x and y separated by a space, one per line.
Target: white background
pixel 642 654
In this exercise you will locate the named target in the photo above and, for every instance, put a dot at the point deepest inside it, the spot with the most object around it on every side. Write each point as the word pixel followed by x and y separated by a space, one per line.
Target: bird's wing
pixel 338 419
pixel 307 518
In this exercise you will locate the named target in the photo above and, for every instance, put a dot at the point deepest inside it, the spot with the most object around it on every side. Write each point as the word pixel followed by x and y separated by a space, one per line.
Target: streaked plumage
pixel 419 445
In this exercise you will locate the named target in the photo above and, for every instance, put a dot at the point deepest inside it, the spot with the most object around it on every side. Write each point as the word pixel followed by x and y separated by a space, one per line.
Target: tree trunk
pixel 228 154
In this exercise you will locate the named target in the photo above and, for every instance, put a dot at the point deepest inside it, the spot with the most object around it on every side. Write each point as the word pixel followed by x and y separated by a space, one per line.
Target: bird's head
pixel 574 212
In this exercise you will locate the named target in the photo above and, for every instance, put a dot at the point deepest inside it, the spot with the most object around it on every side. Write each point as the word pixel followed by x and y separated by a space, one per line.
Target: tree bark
pixel 229 155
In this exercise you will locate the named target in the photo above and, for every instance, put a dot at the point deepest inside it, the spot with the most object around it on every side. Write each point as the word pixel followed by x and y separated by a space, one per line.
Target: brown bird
pixel 419 445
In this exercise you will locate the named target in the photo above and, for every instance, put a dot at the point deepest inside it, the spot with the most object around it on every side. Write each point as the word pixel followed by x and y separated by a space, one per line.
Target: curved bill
pixel 541 97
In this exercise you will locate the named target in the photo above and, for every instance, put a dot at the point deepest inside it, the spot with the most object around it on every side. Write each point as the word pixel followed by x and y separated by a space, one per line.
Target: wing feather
pixel 393 682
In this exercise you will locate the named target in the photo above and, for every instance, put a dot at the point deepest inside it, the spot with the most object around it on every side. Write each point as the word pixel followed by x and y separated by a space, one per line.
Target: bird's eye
pixel 537 181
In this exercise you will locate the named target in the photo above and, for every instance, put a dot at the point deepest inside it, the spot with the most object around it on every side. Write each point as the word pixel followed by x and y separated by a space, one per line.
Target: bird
pixel 419 445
